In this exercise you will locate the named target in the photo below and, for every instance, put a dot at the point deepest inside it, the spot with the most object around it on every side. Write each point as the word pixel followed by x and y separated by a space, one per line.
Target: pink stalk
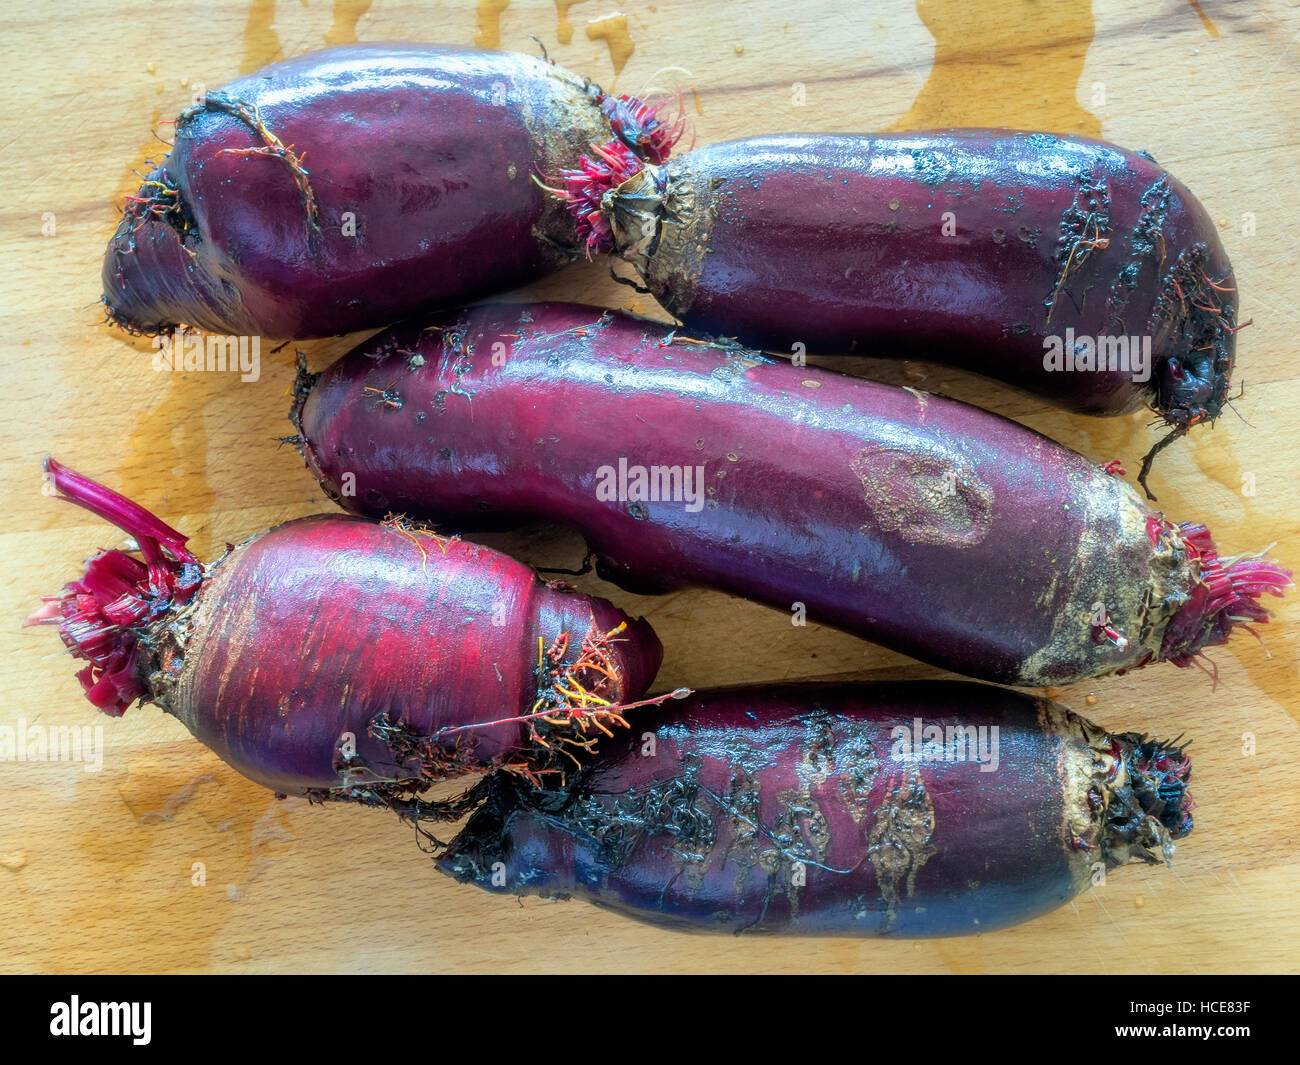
pixel 98 614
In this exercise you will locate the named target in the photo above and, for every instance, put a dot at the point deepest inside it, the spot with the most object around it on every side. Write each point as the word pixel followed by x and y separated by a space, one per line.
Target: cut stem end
pixel 102 617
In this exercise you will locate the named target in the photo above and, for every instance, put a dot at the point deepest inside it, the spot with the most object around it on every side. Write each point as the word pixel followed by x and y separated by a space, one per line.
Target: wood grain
pixel 96 867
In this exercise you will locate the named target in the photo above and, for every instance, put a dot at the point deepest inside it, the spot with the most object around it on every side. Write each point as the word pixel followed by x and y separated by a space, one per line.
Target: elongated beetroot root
pixel 352 187
pixel 903 810
pixel 1003 252
pixel 932 527
pixel 345 659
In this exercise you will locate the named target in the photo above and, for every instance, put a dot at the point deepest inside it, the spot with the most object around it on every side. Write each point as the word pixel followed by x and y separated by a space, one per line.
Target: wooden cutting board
pixel 96 868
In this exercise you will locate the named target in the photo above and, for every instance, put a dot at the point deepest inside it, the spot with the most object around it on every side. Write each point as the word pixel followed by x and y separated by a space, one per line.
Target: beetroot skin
pixel 795 810
pixel 965 246
pixel 436 656
pixel 932 527
pixel 352 187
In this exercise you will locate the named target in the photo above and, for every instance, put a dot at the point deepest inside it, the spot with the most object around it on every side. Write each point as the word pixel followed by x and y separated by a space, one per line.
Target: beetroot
pixel 1030 257
pixel 345 189
pixel 905 810
pixel 345 659
pixel 932 527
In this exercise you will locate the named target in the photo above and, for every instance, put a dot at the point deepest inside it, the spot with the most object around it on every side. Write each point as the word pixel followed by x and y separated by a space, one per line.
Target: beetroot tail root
pixel 908 810
pixel 343 659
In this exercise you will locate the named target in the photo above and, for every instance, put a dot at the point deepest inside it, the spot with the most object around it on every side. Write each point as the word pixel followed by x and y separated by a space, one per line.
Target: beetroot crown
pixel 585 188
pixel 640 127
pixel 1226 596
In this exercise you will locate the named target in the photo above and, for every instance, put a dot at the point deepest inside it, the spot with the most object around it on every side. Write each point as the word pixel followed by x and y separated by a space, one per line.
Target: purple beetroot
pixel 1064 265
pixel 932 527
pixel 352 187
pixel 902 810
pixel 346 659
